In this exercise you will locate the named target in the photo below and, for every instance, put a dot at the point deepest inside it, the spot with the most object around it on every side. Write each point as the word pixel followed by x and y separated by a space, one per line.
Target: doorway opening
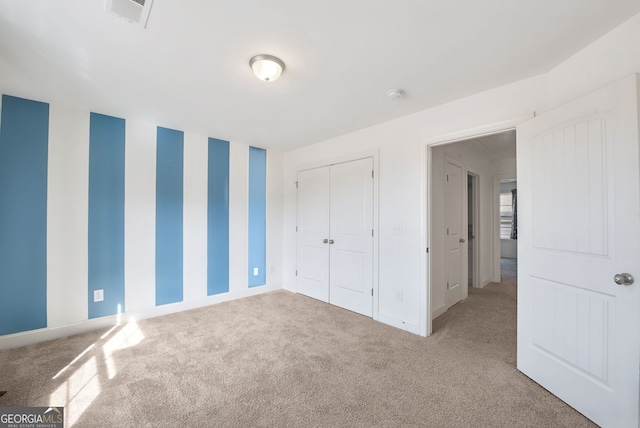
pixel 508 230
pixel 482 160
pixel 472 226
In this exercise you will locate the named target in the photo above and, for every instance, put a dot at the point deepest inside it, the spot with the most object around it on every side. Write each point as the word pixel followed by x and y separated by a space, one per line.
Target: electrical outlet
pixel 399 296
pixel 98 295
pixel 272 269
pixel 398 229
pixel 255 271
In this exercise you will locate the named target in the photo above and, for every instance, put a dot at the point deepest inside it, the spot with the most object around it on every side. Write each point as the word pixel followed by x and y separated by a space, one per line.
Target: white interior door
pixel 313 233
pixel 455 258
pixel 351 243
pixel 579 225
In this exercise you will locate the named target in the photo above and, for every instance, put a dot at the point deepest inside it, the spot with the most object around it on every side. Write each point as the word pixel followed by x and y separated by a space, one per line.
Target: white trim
pixel 398 323
pixel 371 153
pixel 479 131
pixel 441 310
pixel 424 289
pixel 475 248
pixel 425 202
pixel 376 209
pixel 35 336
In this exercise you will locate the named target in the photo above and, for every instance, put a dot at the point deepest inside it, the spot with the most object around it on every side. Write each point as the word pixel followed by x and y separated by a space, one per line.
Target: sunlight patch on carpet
pixel 81 388
pixel 129 335
pixel 78 392
pixel 80 355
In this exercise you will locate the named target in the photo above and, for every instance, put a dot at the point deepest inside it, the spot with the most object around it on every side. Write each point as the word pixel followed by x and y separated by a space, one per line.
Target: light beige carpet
pixel 284 360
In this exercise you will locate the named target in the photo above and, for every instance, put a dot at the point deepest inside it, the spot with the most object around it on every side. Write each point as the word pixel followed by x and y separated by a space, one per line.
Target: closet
pixel 335 235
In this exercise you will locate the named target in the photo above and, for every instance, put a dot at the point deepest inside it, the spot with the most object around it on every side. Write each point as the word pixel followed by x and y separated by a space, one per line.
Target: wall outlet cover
pixel 98 295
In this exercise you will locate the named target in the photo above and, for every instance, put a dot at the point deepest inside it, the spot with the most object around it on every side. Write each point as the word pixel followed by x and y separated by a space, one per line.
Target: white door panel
pixel 579 225
pixel 313 230
pixel 351 258
pixel 456 280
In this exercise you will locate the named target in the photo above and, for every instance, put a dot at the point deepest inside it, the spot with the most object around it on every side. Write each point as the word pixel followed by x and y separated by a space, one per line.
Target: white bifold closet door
pixel 335 235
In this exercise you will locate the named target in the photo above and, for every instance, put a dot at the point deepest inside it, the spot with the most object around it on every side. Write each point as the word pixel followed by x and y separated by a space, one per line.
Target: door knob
pixel 324 241
pixel 462 241
pixel 623 279
pixel 330 241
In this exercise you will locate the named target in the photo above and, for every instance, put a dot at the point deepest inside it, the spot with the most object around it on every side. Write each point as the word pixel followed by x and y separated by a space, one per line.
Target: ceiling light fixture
pixel 266 67
pixel 395 94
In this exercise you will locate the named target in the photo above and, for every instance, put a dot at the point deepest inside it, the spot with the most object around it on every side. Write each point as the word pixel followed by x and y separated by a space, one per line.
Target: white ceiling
pixel 189 68
pixel 494 146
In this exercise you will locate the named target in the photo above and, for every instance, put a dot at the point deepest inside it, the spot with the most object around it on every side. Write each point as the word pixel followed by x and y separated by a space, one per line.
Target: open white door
pixel 579 226
pixel 455 258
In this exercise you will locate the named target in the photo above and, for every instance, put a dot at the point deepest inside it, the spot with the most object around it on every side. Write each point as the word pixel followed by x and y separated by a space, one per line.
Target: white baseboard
pixel 289 287
pixel 437 312
pixel 398 323
pixel 17 340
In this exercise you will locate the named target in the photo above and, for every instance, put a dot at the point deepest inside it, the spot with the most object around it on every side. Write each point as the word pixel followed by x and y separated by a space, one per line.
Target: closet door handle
pixel 324 241
pixel 330 241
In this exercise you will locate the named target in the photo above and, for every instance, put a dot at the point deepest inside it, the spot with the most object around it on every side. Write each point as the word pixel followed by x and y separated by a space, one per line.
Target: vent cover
pixel 133 11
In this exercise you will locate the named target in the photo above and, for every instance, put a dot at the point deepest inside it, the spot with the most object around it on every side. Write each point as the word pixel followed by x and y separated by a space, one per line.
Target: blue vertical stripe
pixel 24 140
pixel 218 218
pixel 169 215
pixel 257 216
pixel 106 214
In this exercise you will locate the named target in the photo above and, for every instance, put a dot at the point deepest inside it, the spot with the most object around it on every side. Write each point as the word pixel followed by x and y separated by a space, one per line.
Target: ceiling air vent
pixel 134 11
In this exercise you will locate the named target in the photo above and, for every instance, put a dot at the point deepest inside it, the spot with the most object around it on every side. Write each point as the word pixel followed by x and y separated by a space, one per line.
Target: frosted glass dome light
pixel 266 67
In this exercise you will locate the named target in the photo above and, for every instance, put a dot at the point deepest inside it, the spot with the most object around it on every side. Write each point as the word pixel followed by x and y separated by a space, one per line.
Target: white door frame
pixel 477 234
pixel 426 203
pixel 375 155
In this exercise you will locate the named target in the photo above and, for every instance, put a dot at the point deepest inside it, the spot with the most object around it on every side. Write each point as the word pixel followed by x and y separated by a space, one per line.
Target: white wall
pixel 67 216
pixel 194 256
pixel 401 147
pixel 274 218
pixel 403 262
pixel 608 59
pixel 140 215
pixel 509 248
